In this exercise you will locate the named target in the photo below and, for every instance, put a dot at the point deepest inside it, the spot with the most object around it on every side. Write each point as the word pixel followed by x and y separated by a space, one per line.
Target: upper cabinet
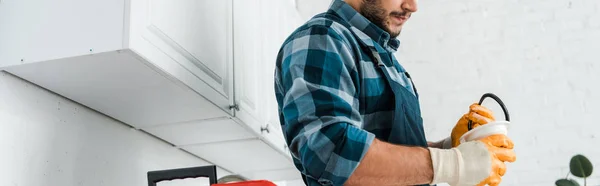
pixel 39 30
pixel 195 34
pixel 278 24
pixel 143 62
pixel 196 73
pixel 249 63
pixel 260 28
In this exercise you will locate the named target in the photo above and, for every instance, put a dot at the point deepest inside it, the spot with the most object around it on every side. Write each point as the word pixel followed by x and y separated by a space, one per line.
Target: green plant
pixel 579 166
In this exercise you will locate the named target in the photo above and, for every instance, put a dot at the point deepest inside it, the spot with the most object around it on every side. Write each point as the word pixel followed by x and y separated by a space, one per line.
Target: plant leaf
pixel 580 166
pixel 565 182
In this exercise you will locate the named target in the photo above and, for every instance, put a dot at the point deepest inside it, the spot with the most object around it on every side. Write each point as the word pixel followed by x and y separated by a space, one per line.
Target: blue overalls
pixel 408 124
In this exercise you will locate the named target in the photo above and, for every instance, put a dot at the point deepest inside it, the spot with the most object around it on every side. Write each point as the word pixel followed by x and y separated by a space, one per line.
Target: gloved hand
pixel 472 163
pixel 502 151
pixel 478 114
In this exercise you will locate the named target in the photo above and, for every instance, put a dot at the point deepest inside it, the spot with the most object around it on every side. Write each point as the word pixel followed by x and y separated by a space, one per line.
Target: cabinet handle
pixel 266 128
pixel 234 107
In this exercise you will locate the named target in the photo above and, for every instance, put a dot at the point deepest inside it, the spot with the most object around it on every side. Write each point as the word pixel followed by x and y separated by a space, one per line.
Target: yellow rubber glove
pixel 478 114
pixel 477 162
pixel 501 148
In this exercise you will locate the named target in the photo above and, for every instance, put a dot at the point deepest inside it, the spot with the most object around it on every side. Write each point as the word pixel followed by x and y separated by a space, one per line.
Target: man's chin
pixel 394 34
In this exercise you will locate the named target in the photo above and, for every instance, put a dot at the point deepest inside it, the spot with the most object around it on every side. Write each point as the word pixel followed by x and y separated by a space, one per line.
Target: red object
pixel 247 183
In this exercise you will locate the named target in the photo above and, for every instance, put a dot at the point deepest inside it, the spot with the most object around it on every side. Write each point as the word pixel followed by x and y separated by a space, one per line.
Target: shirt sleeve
pixel 317 88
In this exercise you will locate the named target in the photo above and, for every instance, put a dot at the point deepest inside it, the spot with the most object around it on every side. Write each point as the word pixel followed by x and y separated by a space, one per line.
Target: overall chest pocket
pixel 413 122
pixel 408 124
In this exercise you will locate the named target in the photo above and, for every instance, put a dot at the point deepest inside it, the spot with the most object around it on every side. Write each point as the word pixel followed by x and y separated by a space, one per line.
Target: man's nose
pixel 409 5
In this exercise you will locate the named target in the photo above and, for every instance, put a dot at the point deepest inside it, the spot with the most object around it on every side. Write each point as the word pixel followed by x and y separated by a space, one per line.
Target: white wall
pixel 309 8
pixel 541 57
pixel 49 140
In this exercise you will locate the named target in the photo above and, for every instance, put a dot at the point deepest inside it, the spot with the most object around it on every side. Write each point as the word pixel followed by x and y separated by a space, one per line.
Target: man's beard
pixel 371 10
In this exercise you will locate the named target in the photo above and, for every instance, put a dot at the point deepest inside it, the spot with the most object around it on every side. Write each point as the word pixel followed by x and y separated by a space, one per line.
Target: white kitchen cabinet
pixel 279 22
pixel 122 86
pixel 195 73
pixel 196 34
pixel 260 27
pixel 39 30
pixel 249 63
pixel 143 62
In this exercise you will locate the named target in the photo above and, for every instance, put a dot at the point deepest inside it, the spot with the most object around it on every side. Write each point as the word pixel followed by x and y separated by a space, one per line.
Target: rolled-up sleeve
pixel 316 86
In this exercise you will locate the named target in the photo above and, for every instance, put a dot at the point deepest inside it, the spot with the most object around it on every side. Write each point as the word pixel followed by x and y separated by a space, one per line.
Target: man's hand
pixel 501 148
pixel 478 114
pixel 472 163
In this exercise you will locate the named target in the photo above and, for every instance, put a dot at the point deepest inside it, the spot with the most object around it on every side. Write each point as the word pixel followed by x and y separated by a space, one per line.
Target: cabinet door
pixel 274 22
pixel 197 35
pixel 248 62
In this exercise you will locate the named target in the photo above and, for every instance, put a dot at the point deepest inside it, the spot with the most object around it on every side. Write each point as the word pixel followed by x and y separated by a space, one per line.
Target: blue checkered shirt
pixel 332 99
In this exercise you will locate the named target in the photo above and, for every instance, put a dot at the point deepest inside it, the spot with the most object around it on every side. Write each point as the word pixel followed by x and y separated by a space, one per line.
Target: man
pixel 350 112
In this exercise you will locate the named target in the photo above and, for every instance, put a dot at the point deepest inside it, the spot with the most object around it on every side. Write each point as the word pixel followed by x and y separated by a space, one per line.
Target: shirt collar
pixel 358 21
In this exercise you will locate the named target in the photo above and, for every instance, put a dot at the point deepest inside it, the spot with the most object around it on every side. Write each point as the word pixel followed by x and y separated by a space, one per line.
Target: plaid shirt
pixel 333 101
